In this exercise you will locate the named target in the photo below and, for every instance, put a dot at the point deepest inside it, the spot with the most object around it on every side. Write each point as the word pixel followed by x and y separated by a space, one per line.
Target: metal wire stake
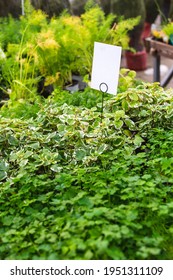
pixel 103 87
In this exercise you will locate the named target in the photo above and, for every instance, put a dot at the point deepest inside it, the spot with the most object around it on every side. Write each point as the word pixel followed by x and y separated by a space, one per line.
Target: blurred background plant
pixel 52 50
pixel 19 70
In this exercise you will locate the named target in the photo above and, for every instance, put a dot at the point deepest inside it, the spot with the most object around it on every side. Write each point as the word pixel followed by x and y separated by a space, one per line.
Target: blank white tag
pixel 106 67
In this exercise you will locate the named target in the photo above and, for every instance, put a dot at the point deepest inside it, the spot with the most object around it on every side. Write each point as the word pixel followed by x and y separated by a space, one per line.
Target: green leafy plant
pixel 19 69
pixel 9 31
pixel 72 187
pixel 56 49
pixel 76 36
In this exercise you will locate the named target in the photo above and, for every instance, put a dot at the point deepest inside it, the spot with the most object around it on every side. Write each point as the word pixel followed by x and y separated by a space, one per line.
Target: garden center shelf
pixel 159 49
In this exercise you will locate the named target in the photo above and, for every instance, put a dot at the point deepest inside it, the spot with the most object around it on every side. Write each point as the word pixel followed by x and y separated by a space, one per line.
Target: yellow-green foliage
pixel 168 29
pixel 58 48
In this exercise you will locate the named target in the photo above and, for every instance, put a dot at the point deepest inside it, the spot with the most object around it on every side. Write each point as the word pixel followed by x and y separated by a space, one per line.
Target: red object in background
pixel 136 61
pixel 146 31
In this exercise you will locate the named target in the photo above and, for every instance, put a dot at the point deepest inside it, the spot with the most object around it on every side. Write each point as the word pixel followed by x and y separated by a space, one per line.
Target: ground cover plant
pixel 76 183
pixel 75 186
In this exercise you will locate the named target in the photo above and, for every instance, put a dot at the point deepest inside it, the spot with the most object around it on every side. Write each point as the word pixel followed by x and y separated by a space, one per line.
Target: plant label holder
pixel 105 69
pixel 103 87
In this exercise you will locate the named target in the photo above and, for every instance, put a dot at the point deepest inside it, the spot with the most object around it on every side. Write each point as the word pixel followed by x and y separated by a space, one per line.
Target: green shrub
pixel 9 31
pixel 56 49
pixel 88 98
pixel 75 186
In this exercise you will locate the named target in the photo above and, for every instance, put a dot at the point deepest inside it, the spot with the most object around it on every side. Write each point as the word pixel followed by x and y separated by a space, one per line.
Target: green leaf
pixel 119 114
pixel 3 175
pixel 88 255
pixel 12 140
pixel 125 105
pixel 138 140
pixel 133 96
pixel 115 253
pixel 130 124
pixel 118 141
pixel 4 166
pixel 56 168
pixel 118 124
pixel 80 154
pixel 102 148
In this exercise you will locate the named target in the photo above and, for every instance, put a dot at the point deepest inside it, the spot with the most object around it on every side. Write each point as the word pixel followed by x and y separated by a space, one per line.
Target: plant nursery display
pixel 54 49
pixel 81 177
pixel 163 33
pixel 73 187
pixel 136 60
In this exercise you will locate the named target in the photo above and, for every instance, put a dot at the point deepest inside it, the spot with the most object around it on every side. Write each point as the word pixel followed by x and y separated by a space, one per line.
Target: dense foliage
pixel 36 48
pixel 75 184
pixel 79 180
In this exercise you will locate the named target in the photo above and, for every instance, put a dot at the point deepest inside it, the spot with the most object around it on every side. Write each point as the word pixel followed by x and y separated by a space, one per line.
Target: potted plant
pixel 137 59
pixel 76 36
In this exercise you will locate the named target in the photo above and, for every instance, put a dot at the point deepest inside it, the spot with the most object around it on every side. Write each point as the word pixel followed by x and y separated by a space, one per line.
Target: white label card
pixel 106 67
